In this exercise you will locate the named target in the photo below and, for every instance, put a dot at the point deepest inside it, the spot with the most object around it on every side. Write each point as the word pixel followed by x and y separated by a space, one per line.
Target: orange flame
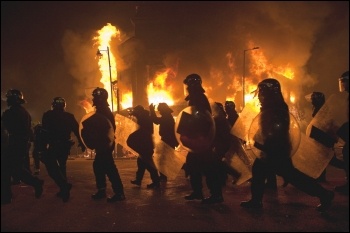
pixel 258 66
pixel 158 91
pixel 107 64
pixel 87 106
pixel 126 100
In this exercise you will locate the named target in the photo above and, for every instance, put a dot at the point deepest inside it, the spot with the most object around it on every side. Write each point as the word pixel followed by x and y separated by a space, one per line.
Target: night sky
pixel 47 48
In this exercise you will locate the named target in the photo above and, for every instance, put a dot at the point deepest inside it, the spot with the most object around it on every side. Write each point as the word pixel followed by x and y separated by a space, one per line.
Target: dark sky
pixel 46 46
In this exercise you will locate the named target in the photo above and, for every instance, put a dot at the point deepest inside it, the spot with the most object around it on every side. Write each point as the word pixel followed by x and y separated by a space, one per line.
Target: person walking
pixel 166 124
pixel 17 122
pixel 58 124
pixel 205 162
pixel 141 141
pixel 276 150
pixel 104 164
pixel 343 133
pixel 39 147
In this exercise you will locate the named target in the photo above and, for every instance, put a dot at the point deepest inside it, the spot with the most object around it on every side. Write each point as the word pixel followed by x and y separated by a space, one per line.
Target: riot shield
pixel 96 131
pixel 195 129
pixel 125 126
pixel 241 127
pixel 168 160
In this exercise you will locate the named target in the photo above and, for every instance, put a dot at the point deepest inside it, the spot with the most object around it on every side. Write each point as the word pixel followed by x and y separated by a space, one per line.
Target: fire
pixel 292 97
pixel 126 100
pixel 260 67
pixel 158 91
pixel 87 106
pixel 107 64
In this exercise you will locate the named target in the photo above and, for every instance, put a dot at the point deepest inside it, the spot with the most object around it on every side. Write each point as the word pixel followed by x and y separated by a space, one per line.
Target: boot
pixel 153 185
pixel 342 189
pixel 136 182
pixel 326 202
pixel 194 196
pixel 213 199
pixel 252 204
pixel 116 197
pixel 38 188
pixel 59 194
pixel 101 193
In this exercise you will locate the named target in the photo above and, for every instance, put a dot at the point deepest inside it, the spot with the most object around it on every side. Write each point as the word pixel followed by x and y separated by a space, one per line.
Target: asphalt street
pixel 165 209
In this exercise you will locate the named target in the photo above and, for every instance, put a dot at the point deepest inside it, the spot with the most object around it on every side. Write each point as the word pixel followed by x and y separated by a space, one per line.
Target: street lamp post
pixel 110 71
pixel 116 89
pixel 243 77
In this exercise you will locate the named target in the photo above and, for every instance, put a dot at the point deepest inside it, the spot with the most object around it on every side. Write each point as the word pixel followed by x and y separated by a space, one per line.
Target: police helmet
pixel 221 106
pixel 193 80
pixel 229 105
pixel 100 95
pixel 164 108
pixel 14 97
pixel 317 98
pixel 58 103
pixel 269 86
pixel 137 111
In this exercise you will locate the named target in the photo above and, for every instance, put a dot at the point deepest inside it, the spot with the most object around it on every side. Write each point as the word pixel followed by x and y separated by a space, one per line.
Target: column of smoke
pixel 295 33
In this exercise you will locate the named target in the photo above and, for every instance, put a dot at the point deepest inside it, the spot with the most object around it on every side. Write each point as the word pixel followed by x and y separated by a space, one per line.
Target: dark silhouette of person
pixel 343 133
pixel 206 162
pixel 232 114
pixel 6 193
pixel 166 124
pixel 17 122
pixel 58 125
pixel 141 141
pixel 104 164
pixel 39 146
pixel 317 100
pixel 275 147
pixel 222 140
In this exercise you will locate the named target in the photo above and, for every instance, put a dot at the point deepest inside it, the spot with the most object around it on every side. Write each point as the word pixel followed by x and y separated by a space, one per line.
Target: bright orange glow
pixel 292 97
pixel 126 100
pixel 103 40
pixel 259 65
pixel 158 91
pixel 87 106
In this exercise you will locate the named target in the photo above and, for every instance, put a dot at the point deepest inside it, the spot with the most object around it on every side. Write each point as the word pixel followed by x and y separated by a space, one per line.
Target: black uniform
pixel 59 125
pixel 343 133
pixel 40 143
pixel 276 150
pixel 166 124
pixel 104 164
pixel 204 163
pixel 142 142
pixel 17 121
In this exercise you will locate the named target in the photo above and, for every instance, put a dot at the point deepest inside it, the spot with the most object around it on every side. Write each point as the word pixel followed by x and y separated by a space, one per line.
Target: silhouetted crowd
pixel 204 129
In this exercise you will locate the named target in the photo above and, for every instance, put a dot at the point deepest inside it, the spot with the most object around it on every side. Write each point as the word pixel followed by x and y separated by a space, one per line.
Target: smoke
pixel 47 48
pixel 310 37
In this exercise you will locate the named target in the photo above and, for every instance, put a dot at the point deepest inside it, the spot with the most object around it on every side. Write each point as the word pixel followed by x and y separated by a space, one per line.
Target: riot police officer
pixel 206 162
pixel 230 109
pixel 59 124
pixel 276 150
pixel 17 121
pixel 141 141
pixel 166 124
pixel 103 164
pixel 343 133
